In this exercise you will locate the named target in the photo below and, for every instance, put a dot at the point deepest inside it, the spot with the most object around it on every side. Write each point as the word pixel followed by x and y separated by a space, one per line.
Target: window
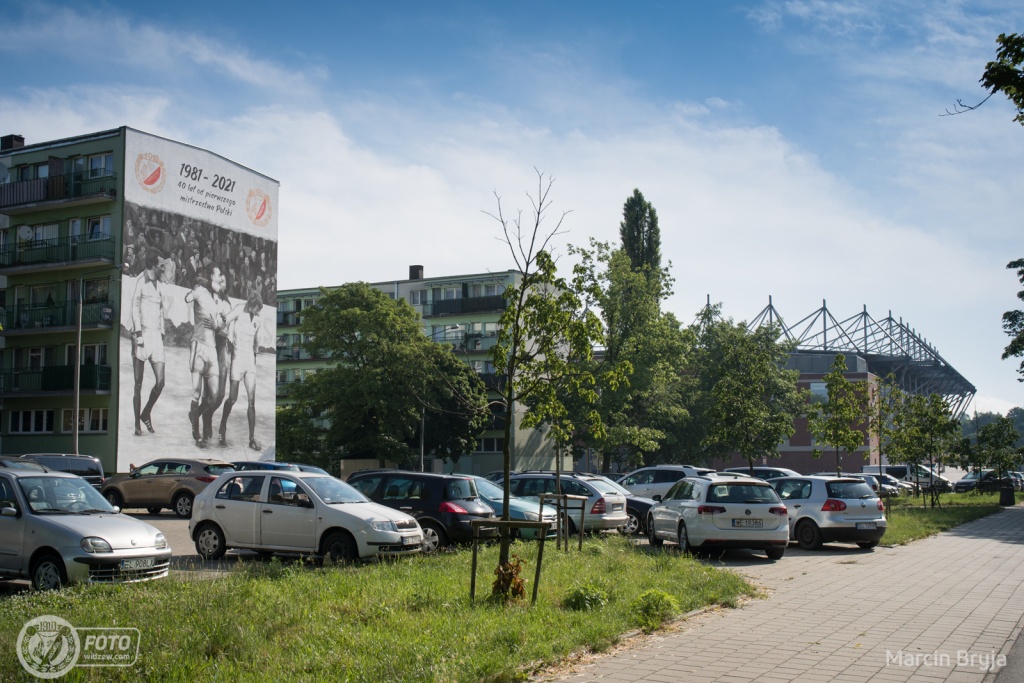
pixel 418 297
pixel 101 165
pixel 641 477
pixel 33 358
pixel 89 420
pixel 31 421
pixel 490 329
pixel 449 293
pixel 92 354
pixel 245 488
pixel 43 170
pixel 98 228
pixel 96 291
pixel 490 445
pixel 287 492
pixel 44 295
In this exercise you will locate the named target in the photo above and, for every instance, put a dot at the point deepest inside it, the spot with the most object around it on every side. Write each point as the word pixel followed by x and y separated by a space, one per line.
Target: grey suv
pixel 85 466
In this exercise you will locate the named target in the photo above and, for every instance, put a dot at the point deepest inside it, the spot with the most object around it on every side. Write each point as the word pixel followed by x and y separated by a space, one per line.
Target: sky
pixel 793 149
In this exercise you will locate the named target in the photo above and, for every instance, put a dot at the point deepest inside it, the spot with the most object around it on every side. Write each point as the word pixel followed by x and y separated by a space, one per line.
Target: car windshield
pixel 62 495
pixel 334 491
pixel 742 493
pixel 849 489
pixel 218 470
pixel 492 491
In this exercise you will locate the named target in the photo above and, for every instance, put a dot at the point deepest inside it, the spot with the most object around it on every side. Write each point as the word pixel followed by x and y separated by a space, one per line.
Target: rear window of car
pixel 218 470
pixel 460 489
pixel 742 493
pixel 80 466
pixel 848 489
pixel 605 488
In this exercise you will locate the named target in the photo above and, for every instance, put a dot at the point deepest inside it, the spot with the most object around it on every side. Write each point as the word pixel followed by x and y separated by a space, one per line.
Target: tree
pixel 385 375
pixel 545 338
pixel 641 237
pixel 884 403
pixel 1005 74
pixel 925 431
pixel 746 400
pixel 842 420
pixel 1013 323
pixel 299 440
pixel 997 443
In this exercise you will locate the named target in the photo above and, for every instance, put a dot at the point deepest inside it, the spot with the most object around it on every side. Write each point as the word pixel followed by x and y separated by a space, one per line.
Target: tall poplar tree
pixel 641 238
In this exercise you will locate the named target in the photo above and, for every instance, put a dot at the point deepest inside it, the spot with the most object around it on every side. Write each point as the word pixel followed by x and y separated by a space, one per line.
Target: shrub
pixel 584 597
pixel 653 608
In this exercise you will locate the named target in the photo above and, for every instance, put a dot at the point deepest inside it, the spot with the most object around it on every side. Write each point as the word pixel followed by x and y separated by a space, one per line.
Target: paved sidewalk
pixel 942 609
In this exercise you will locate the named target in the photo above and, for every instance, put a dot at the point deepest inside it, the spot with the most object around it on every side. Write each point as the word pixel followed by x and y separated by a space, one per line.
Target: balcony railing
pixel 296 353
pixel 475 304
pixel 54 379
pixel 57 250
pixel 68 186
pixel 60 314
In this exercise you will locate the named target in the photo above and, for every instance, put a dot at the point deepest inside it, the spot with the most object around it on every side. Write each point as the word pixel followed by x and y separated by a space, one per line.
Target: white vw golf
pixel 721 510
pixel 297 512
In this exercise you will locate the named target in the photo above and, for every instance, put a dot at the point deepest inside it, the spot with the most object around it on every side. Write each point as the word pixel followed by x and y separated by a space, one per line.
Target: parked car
pixel 297 512
pixel 171 482
pixel 637 508
pixel 85 466
pixel 303 467
pixel 985 480
pixel 1018 481
pixel 519 509
pixel 252 465
pixel 721 510
pixel 882 490
pixel 445 505
pixel 915 475
pixel 902 488
pixel 55 528
pixel 19 464
pixel 605 507
pixel 827 509
pixel 656 480
pixel 765 473
pixel 498 475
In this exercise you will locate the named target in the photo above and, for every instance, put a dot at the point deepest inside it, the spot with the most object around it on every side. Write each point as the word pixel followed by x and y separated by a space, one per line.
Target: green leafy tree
pixel 385 374
pixel 997 441
pixel 885 400
pixel 843 419
pixel 925 432
pixel 967 452
pixel 641 237
pixel 1005 74
pixel 746 400
pixel 299 439
pixel 1013 324
pixel 545 338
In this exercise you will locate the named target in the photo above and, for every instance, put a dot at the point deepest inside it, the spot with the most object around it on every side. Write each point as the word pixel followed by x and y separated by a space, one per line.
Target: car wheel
pixel 210 543
pixel 775 553
pixel 632 525
pixel 808 535
pixel 434 537
pixel 154 511
pixel 340 547
pixel 183 505
pixel 115 498
pixel 683 540
pixel 651 538
pixel 48 573
pixel 868 545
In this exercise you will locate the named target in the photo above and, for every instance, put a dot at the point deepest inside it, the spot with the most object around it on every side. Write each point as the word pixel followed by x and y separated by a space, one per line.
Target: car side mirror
pixel 656 498
pixel 117 510
pixel 305 503
pixel 8 512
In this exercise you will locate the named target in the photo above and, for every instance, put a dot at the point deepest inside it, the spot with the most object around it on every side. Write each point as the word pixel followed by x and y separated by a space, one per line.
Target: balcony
pixel 492 381
pixel 295 353
pixel 73 189
pixel 32 256
pixel 475 304
pixel 60 317
pixel 54 380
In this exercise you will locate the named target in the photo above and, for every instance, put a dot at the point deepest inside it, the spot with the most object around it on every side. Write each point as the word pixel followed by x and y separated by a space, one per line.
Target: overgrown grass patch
pixel 912 518
pixel 409 620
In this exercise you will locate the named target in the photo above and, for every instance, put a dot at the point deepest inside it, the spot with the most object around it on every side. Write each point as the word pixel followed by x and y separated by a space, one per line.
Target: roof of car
pixel 430 475
pixel 729 476
pixel 18 473
pixel 819 477
pixel 30 456
pixel 190 461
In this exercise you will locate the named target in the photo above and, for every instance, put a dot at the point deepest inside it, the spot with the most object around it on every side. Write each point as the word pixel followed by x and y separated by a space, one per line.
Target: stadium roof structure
pixel 888 346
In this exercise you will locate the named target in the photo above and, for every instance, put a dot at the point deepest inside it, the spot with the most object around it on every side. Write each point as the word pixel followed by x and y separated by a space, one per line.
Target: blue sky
pixel 792 148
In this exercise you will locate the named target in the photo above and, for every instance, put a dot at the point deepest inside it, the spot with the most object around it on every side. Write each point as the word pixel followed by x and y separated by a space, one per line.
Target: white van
pixel 918 475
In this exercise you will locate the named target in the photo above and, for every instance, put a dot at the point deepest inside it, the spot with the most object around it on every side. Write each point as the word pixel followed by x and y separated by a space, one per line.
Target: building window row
pixel 490 445
pixel 94 166
pixel 422 297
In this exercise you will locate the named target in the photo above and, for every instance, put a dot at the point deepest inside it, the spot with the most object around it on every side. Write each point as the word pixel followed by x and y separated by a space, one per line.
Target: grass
pixel 911 518
pixel 409 620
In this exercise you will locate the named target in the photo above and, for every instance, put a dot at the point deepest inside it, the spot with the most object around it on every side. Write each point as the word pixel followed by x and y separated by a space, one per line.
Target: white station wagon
pixel 298 512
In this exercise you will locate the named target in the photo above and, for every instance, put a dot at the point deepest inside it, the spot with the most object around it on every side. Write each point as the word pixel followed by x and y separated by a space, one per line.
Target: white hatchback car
pixel 824 509
pixel 298 512
pixel 721 510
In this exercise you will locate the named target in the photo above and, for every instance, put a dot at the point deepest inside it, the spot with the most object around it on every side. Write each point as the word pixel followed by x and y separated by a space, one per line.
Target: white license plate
pixel 137 563
pixel 747 523
pixel 866 525
pixel 410 540
pixel 616 507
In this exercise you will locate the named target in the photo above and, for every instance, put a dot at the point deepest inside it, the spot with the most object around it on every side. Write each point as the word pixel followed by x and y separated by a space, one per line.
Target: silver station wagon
pixel 56 528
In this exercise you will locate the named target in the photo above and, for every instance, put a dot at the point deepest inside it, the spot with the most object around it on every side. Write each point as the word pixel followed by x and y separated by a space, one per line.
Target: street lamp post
pixel 78 352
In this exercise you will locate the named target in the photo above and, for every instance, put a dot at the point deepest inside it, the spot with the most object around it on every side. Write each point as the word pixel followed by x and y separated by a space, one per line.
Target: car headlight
pixel 531 516
pixel 94 544
pixel 161 542
pixel 387 525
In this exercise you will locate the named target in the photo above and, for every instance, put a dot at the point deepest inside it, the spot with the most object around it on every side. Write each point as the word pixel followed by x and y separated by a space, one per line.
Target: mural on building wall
pixel 198 305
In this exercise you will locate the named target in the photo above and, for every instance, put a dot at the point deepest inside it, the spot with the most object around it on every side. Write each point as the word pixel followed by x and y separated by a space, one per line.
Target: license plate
pixel 410 540
pixel 866 525
pixel 616 507
pixel 747 523
pixel 137 563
